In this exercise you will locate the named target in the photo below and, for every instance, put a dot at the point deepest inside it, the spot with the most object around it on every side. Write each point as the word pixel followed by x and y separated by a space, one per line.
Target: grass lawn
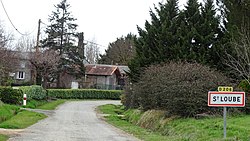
pixel 189 129
pixel 51 105
pixel 3 138
pixel 22 120
pixel 137 131
pixel 7 111
pixel 26 118
pixel 10 120
pixel 43 104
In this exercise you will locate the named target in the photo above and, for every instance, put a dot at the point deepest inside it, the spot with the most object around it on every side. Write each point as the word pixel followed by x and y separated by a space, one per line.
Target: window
pixel 20 75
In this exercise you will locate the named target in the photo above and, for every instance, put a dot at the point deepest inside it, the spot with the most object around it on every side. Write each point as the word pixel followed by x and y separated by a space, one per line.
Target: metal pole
pixel 225 121
pixel 24 99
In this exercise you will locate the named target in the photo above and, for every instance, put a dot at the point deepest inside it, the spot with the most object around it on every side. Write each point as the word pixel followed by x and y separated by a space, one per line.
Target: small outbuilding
pixel 102 76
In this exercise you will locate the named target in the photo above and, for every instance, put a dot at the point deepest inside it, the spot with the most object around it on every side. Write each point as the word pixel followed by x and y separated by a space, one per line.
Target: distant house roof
pixel 123 69
pixel 101 70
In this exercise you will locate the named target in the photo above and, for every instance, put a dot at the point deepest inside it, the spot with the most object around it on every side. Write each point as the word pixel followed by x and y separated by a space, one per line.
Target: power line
pixel 95 43
pixel 44 23
pixel 12 22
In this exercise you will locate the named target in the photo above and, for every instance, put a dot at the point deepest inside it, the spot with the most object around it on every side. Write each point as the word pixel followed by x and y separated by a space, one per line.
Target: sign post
pixel 24 99
pixel 226 98
pixel 225 121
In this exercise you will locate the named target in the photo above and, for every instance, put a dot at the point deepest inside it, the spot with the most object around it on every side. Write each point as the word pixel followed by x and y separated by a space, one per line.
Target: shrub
pixel 84 94
pixel 11 96
pixel 129 99
pixel 245 86
pixel 178 88
pixel 34 92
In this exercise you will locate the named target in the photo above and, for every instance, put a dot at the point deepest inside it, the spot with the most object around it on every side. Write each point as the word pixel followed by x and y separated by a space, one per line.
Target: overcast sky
pixel 101 20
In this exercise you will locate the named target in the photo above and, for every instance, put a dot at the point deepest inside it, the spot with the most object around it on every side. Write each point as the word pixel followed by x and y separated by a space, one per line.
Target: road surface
pixel 73 121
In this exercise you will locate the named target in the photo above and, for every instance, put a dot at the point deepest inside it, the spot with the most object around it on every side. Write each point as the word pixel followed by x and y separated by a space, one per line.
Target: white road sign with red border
pixel 226 99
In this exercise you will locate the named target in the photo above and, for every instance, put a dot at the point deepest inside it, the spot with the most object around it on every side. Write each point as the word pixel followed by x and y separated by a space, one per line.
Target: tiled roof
pixel 104 70
pixel 123 69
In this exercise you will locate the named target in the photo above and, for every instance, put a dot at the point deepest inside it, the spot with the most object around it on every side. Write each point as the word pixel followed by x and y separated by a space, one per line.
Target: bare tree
pixel 25 43
pixel 8 59
pixel 239 58
pixel 92 52
pixel 45 65
pixel 5 38
pixel 119 52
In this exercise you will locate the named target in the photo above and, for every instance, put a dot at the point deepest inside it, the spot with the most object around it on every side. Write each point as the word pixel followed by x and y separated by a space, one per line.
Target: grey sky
pixel 101 20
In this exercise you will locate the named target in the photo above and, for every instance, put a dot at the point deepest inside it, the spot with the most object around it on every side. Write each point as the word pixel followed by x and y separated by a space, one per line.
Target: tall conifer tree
pixel 192 35
pixel 211 34
pixel 238 13
pixel 156 43
pixel 62 37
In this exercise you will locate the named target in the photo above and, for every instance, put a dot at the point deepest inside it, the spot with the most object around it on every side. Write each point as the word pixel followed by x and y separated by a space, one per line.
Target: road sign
pixel 225 89
pixel 226 99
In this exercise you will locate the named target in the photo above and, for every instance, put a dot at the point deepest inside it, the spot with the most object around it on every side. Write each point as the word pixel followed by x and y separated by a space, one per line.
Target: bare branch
pixel 239 59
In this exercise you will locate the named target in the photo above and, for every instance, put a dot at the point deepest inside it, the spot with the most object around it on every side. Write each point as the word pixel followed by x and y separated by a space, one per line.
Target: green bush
pixel 84 94
pixel 34 92
pixel 177 88
pixel 245 86
pixel 9 95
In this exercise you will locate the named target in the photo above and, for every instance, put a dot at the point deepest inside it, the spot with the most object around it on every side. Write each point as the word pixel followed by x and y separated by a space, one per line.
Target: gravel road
pixel 74 121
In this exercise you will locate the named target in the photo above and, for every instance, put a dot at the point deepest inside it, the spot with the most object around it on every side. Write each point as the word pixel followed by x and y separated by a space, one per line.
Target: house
pixel 98 76
pixel 102 76
pixel 23 72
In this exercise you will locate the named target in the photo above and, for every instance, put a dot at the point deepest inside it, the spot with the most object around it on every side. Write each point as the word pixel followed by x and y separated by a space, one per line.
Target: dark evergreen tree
pixel 211 33
pixel 62 37
pixel 193 34
pixel 157 43
pixel 238 14
pixel 192 37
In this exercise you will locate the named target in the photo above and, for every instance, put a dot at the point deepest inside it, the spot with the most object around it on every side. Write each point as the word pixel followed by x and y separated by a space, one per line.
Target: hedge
pixel 34 92
pixel 179 88
pixel 84 94
pixel 9 95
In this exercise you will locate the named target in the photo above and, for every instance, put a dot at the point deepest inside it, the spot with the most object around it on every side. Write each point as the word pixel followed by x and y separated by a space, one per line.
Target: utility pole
pixel 34 74
pixel 38 34
pixel 81 44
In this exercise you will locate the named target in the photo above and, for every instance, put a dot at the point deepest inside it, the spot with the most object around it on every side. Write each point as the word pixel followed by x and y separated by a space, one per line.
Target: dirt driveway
pixel 73 121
